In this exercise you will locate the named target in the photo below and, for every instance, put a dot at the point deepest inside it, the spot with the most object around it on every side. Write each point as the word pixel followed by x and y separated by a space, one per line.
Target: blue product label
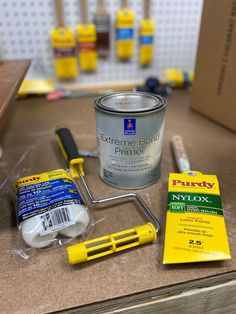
pixel 129 126
pixel 38 198
pixel 146 40
pixel 124 33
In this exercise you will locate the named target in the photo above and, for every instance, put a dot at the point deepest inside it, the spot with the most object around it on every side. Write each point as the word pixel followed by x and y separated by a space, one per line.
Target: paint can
pixel 129 137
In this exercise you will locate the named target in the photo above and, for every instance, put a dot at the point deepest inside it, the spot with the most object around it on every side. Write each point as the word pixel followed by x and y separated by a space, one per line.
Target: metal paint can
pixel 129 138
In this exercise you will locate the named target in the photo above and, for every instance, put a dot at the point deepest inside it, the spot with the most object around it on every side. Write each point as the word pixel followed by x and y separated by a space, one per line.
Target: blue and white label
pixel 124 33
pixel 39 198
pixel 146 40
pixel 129 126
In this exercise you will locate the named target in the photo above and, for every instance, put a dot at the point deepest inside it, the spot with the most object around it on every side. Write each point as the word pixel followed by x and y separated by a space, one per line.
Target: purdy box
pixel 214 86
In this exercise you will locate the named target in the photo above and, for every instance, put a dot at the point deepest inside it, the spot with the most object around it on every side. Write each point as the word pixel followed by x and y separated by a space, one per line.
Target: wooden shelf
pixel 12 73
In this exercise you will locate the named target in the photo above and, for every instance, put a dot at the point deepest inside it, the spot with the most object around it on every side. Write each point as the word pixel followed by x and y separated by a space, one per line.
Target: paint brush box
pixel 195 224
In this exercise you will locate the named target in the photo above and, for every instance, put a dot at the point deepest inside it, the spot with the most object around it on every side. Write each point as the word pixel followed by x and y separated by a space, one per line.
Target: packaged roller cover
pixel 195 224
pixel 50 211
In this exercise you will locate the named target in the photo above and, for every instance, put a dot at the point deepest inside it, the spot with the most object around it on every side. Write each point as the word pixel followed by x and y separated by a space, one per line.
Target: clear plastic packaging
pixel 50 212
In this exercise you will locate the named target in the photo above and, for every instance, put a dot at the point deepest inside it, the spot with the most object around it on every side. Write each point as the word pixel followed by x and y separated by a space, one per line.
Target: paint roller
pixel 109 244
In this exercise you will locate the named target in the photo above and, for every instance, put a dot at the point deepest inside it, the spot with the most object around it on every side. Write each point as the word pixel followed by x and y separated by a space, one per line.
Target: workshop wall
pixel 25 33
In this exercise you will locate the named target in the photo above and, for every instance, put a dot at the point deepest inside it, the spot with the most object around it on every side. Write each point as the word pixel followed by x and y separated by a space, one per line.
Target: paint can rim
pixel 130 103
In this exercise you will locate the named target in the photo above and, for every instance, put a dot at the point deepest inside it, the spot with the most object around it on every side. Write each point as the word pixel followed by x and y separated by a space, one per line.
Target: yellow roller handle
pixel 123 240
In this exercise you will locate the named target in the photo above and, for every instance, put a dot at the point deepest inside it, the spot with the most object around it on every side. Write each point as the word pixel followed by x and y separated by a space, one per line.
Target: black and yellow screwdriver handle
pixel 69 151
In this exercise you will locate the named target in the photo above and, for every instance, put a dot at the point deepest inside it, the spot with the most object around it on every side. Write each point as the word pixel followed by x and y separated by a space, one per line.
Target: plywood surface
pixel 45 282
pixel 11 76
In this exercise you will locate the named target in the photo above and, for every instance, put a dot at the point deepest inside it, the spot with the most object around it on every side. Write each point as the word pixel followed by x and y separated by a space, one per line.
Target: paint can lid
pixel 130 102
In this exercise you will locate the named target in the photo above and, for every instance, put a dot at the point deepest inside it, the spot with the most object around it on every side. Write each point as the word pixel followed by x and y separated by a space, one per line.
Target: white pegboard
pixel 25 33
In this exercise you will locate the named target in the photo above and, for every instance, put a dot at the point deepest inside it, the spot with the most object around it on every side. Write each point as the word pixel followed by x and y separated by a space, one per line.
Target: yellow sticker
pixel 42 177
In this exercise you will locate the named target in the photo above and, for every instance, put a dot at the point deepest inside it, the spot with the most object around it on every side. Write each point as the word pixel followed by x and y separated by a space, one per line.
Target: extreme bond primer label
pixel 195 225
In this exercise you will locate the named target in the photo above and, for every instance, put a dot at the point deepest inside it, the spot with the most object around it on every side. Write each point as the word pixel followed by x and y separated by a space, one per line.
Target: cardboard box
pixel 214 86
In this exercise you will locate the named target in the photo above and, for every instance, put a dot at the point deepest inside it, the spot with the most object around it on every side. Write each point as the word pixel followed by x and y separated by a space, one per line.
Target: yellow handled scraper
pixel 113 243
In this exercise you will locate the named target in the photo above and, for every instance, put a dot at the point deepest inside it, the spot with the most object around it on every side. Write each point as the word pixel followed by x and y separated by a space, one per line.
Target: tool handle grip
pixel 113 243
pixel 84 11
pixel 101 4
pixel 58 4
pixel 66 143
pixel 146 9
pixel 101 8
pixel 124 4
pixel 180 153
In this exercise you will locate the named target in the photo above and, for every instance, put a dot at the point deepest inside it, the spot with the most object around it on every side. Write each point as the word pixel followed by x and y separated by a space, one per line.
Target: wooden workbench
pixel 134 281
